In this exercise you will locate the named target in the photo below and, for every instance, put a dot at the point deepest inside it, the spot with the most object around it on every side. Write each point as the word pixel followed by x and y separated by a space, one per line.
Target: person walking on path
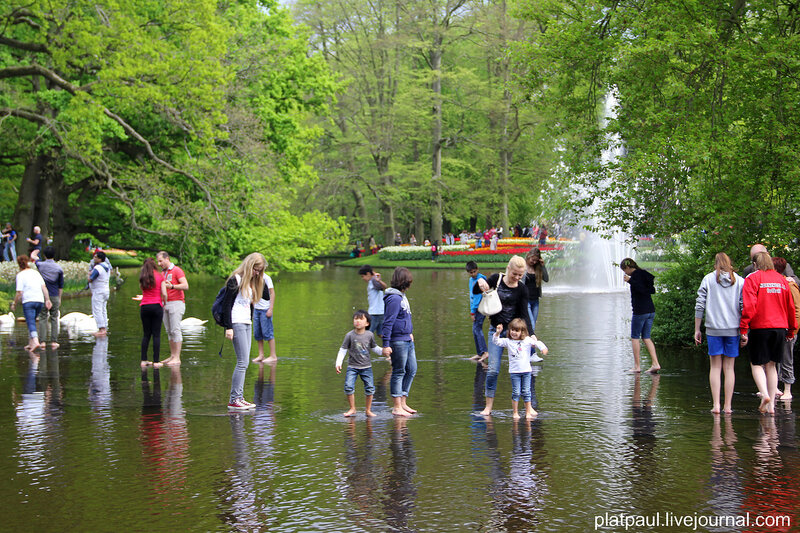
pixel 99 277
pixel 262 322
pixel 786 366
pixel 481 353
pixel 375 288
pixel 175 281
pixel 535 274
pixel 644 312
pixel 151 309
pixel 36 240
pixel 768 317
pixel 243 288
pixel 718 299
pixel 514 299
pixel 9 243
pixel 398 340
pixel 53 276
pixel 32 292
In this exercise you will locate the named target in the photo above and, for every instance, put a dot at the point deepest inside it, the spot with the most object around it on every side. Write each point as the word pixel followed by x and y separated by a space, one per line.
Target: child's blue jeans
pixel 522 385
pixel 366 376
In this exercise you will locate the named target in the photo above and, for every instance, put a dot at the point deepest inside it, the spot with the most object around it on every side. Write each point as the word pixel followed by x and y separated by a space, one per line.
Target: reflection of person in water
pixel 725 483
pixel 362 479
pixel 399 491
pixel 643 424
pixel 100 385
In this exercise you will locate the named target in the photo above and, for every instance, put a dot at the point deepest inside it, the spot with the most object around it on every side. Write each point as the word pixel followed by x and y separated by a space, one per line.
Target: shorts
pixel 173 314
pixel 727 346
pixel 766 345
pixel 262 325
pixel 641 325
pixel 376 324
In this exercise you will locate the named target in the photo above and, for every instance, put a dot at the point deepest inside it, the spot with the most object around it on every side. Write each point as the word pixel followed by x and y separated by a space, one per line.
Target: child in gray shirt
pixel 357 344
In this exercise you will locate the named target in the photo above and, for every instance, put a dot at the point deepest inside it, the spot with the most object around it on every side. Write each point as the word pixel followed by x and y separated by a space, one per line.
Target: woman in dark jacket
pixel 398 338
pixel 514 299
pixel 644 312
pixel 535 275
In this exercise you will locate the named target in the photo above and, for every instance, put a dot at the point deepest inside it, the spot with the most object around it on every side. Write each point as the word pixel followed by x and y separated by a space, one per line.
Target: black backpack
pixel 216 307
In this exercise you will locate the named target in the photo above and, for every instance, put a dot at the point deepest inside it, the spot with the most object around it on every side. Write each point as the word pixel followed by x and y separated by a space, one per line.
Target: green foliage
pixel 675 299
pixel 405 253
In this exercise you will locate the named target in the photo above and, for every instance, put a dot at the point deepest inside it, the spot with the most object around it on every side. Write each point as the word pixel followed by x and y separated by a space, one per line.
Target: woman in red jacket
pixel 767 318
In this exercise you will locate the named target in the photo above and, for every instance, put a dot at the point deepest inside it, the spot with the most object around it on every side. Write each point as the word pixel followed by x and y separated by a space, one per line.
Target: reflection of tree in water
pixel 773 487
pixel 518 495
pixel 725 483
pixel 399 493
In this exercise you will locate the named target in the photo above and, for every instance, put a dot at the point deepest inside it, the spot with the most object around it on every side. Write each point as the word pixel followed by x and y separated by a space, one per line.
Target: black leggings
pixel 151 314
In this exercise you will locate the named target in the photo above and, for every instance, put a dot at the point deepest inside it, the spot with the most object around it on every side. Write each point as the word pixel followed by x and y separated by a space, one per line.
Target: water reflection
pixel 399 491
pixel 238 498
pixel 725 483
pixel 100 397
pixel 645 465
pixel 362 476
pixel 32 423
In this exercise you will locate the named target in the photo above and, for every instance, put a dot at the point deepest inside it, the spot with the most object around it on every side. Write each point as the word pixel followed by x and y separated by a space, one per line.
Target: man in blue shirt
pixel 481 353
pixel 53 276
pixel 375 288
pixel 9 243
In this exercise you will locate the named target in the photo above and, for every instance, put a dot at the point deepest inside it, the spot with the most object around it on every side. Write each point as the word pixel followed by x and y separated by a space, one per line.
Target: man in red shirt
pixel 175 307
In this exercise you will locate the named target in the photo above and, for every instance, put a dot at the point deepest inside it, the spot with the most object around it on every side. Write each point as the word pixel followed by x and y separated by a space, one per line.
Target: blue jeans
pixel 10 251
pixel 641 325
pixel 241 345
pixel 376 324
pixel 521 385
pixel 495 357
pixel 31 310
pixel 262 326
pixel 533 313
pixel 477 333
pixel 366 376
pixel 404 367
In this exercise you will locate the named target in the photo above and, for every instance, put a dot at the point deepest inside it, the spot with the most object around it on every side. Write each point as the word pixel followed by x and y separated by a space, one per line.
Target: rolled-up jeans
pixel 31 310
pixel 477 333
pixel 495 357
pixel 404 367
pixel 242 340
pixel 786 366
pixel 50 318
pixel 99 309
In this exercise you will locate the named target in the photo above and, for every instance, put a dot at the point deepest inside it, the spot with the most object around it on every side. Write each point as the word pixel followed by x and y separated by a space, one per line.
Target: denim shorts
pixel 262 325
pixel 366 376
pixel 376 324
pixel 727 346
pixel 641 325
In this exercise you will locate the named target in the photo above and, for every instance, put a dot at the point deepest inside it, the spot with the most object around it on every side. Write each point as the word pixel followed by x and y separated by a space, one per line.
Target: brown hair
pixel 535 253
pixel 147 278
pixel 722 263
pixel 628 263
pixel 779 263
pixel 519 325
pixel 401 278
pixel 22 261
pixel 763 261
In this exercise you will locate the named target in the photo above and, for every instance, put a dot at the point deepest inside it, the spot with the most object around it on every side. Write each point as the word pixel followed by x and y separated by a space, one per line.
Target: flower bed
pixel 74 276
pixel 406 253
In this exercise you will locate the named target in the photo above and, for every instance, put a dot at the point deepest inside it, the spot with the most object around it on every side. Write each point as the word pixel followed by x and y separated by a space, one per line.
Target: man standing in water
pixel 53 276
pixel 375 288
pixel 175 306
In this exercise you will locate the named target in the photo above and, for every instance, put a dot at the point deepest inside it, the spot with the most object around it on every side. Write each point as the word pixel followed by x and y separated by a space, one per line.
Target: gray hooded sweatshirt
pixel 721 303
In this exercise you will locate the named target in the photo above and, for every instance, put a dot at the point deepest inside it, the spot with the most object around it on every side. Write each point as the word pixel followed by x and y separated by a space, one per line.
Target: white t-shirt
pixel 262 303
pixel 519 352
pixel 240 313
pixel 100 283
pixel 30 283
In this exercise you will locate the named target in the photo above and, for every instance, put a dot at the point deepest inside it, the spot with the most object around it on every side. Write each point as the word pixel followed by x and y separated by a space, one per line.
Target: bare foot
pixel 765 400
pixel 786 397
pixel 54 345
pixel 531 414
pixel 369 413
pixel 778 393
pixel 42 345
pixel 158 365
pixel 486 412
pixel 271 359
pixel 400 412
pixel 727 410
pixel 654 369
pixel 484 357
pixel 410 410
pixel 475 357
pixel 515 416
pixel 351 412
pixel 259 359
pixel 634 370
pixel 172 362
pixel 144 364
pixel 715 409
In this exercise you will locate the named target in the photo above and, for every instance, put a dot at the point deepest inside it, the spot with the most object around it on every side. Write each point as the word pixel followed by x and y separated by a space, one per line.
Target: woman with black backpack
pixel 242 290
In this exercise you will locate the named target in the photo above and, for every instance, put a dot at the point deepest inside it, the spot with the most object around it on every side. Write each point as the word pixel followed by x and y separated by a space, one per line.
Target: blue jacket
pixel 396 316
pixel 474 299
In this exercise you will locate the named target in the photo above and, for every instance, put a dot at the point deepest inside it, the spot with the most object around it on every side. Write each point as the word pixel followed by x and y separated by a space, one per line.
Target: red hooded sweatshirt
pixel 767 301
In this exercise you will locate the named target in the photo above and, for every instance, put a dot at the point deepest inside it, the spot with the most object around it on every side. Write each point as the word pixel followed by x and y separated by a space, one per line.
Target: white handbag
pixel 490 303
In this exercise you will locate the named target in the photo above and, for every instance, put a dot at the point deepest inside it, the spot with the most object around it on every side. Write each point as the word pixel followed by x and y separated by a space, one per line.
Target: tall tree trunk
pixel 361 211
pixel 505 148
pixel 25 214
pixel 436 140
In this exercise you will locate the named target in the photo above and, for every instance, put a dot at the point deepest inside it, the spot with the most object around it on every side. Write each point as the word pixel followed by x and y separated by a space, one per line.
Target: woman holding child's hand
pixel 398 340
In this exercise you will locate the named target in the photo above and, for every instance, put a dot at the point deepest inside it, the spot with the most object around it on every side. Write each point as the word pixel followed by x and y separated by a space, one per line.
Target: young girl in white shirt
pixel 518 344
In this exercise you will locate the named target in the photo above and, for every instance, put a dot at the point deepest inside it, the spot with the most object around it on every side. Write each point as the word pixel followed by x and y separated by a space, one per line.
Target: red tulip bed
pixel 495 256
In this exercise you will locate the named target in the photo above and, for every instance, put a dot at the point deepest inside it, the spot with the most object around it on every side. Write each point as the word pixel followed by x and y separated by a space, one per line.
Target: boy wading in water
pixel 357 344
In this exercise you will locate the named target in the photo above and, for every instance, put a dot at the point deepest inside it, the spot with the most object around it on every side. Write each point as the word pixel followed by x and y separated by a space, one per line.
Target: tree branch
pixel 21 45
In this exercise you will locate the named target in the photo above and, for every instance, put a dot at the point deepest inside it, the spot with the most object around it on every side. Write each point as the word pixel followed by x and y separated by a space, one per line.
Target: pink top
pixel 173 275
pixel 153 296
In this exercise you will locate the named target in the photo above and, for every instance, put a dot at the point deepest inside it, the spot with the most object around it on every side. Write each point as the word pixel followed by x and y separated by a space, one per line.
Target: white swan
pixel 71 318
pixel 7 319
pixel 192 322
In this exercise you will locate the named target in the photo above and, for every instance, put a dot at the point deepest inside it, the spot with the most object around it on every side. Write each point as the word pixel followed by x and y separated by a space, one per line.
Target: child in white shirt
pixel 518 344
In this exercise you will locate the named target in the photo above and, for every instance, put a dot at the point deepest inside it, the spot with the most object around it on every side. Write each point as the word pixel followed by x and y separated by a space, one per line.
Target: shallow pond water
pixel 92 443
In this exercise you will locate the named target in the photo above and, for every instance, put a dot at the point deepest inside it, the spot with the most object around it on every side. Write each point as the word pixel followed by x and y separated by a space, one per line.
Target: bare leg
pixel 273 355
pixel 351 399
pixel 515 408
pixel 488 409
pixel 730 380
pixel 368 406
pixel 174 354
pixel 760 377
pixel 398 407
pixel 714 372
pixel 787 392
pixel 530 412
pixel 405 405
pixel 261 358
pixel 636 359
pixel 772 385
pixel 651 349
